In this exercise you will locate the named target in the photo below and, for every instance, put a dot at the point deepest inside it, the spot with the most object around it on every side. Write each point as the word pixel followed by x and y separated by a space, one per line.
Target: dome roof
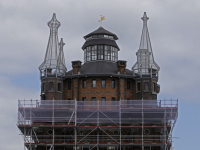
pixel 101 30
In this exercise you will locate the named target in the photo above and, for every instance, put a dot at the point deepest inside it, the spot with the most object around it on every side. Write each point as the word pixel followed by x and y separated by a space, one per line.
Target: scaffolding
pixel 81 125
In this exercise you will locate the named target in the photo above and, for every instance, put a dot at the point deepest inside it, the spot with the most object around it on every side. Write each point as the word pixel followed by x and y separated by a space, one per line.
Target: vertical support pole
pixel 24 126
pixel 31 126
pixel 53 124
pixel 142 125
pixel 75 132
pixel 98 126
pixel 171 124
pixel 120 121
pixel 165 126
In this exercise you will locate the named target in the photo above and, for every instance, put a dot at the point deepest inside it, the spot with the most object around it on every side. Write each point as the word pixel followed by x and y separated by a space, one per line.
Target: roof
pixel 100 41
pixel 101 30
pixel 100 67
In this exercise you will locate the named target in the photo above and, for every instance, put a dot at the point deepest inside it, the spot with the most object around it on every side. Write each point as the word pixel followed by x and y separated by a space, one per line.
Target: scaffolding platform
pixel 75 124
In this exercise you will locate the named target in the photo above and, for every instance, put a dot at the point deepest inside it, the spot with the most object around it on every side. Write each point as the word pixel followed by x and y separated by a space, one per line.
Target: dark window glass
pixel 83 99
pixel 43 86
pixel 113 98
pixel 138 86
pixel 103 101
pixel 103 83
pixel 95 36
pixel 88 52
pixel 93 83
pixel 100 52
pixel 111 37
pixel 113 84
pixel 84 55
pixel 100 36
pixel 50 86
pixel 109 52
pixel 94 52
pixel 84 84
pixel 146 86
pixel 154 87
pixel 69 85
pixel 93 100
pixel 128 85
pixel 59 86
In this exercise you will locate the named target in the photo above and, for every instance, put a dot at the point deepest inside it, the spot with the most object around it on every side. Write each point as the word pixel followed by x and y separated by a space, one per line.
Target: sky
pixel 174 28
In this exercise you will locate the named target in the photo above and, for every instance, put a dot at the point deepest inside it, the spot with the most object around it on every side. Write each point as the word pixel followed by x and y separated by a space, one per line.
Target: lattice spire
pixel 52 62
pixel 145 59
pixel 61 57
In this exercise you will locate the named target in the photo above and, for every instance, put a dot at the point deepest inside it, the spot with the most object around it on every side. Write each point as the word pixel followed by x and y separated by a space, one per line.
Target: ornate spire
pixel 145 39
pixel 145 60
pixel 51 62
pixel 61 58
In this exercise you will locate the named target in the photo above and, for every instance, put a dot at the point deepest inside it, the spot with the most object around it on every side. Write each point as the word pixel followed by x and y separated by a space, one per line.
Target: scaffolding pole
pixel 120 145
pixel 75 128
pixel 142 125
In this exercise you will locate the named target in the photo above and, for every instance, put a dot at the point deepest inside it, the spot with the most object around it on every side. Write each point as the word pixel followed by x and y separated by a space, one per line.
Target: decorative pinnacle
pixel 145 18
pixel 54 23
pixel 61 43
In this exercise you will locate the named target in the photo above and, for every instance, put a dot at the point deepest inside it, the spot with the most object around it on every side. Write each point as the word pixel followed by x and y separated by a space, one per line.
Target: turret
pixel 53 67
pixel 146 69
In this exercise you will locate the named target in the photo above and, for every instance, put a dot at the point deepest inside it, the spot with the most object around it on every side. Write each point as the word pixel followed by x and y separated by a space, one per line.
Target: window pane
pixel 154 87
pixel 94 52
pixel 69 85
pixel 128 85
pixel 93 100
pixel 103 83
pixel 103 101
pixel 84 84
pixel 146 86
pixel 59 86
pixel 43 86
pixel 51 86
pixel 113 84
pixel 138 86
pixel 111 37
pixel 93 83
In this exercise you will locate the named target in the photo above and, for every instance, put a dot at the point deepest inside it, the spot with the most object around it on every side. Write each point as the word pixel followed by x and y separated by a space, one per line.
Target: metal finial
pixel 61 43
pixel 145 18
pixel 54 23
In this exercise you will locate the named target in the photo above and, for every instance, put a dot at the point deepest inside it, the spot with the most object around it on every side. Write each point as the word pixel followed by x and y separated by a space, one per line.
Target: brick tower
pixel 53 68
pixel 146 68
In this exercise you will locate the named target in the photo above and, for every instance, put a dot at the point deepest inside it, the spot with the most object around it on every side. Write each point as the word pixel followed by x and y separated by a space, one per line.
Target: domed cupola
pixel 100 45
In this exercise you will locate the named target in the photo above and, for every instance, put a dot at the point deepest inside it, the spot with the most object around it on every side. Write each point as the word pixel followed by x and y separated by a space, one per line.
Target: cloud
pixel 173 27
